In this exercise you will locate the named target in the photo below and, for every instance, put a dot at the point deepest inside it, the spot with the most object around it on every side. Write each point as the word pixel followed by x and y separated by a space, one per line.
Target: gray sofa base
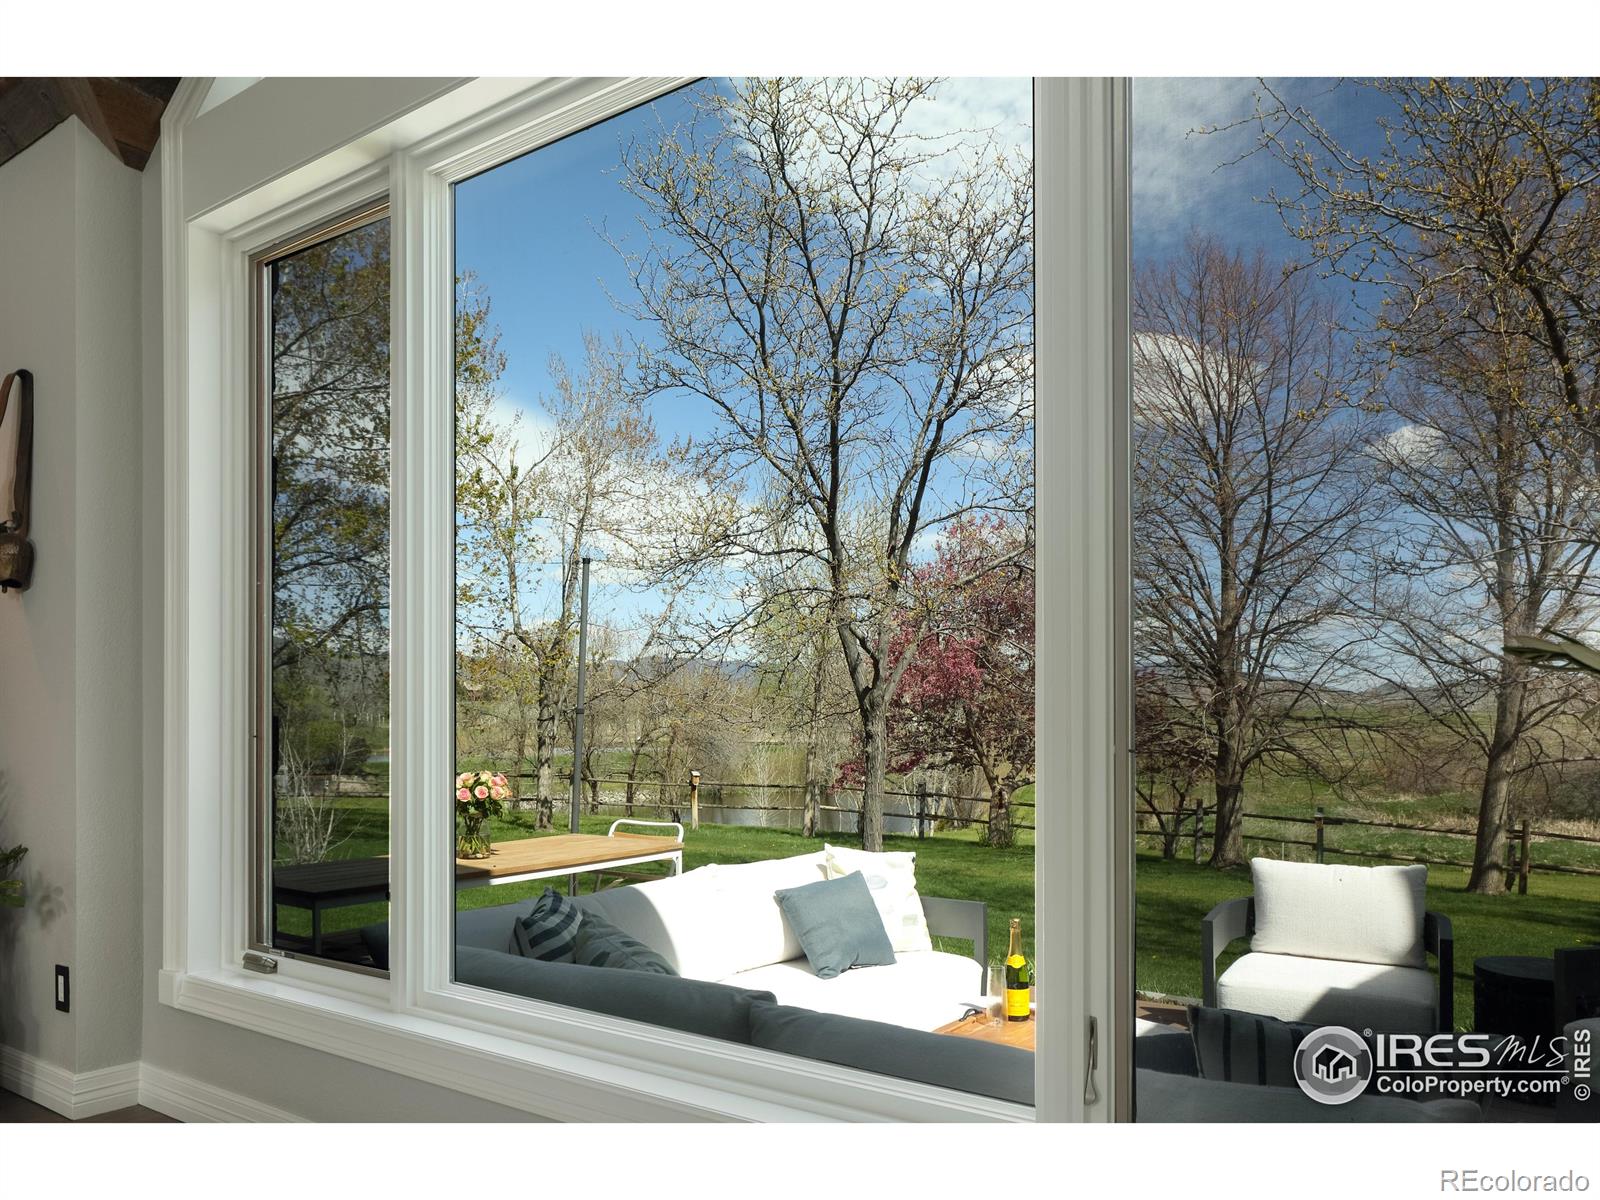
pixel 1161 1097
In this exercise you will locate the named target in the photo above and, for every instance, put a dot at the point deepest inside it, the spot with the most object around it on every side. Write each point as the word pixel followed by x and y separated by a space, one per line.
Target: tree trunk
pixel 999 832
pixel 544 743
pixel 1227 839
pixel 1494 802
pixel 1227 847
pixel 874 764
pixel 1169 833
pixel 811 818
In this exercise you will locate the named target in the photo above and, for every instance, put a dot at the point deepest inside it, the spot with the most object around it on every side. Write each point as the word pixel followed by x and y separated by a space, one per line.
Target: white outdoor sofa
pixel 742 977
pixel 1334 945
pixel 720 923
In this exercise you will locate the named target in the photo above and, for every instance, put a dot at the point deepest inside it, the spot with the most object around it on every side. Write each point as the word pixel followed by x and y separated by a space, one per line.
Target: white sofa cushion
pixel 923 990
pixel 715 920
pixel 680 918
pixel 1355 914
pixel 1357 995
pixel 892 879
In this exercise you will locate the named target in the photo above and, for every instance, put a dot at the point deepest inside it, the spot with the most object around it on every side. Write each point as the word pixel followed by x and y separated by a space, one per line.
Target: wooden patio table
pixel 325 885
pixel 986 1028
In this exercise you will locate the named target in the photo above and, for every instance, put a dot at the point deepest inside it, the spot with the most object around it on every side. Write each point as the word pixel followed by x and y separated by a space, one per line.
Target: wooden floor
pixel 14 1110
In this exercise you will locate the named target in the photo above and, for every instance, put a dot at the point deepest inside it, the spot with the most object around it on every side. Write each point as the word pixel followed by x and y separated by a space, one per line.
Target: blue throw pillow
pixel 837 924
pixel 550 930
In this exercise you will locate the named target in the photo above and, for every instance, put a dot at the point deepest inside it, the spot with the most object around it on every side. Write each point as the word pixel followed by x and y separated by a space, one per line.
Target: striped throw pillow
pixel 1242 1047
pixel 602 944
pixel 550 931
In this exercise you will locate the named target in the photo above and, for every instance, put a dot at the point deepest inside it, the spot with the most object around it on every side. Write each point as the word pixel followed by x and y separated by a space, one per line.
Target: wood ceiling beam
pixel 124 114
pixel 78 97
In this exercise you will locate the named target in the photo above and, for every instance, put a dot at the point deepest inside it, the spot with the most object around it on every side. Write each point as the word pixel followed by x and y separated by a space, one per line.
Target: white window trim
pixel 530 1055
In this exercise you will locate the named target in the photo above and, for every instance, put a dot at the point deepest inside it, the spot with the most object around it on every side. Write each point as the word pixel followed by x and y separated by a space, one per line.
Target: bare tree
pixel 1472 236
pixel 1249 499
pixel 861 330
pixel 1492 539
pixel 1175 755
pixel 531 509
pixel 1487 186
pixel 306 823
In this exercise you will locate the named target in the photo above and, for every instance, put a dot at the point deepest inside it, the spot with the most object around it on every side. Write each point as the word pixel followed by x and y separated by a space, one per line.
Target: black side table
pixel 1514 993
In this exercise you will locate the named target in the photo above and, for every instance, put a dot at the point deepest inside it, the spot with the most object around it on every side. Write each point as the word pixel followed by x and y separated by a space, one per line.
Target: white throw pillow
pixel 892 880
pixel 1356 914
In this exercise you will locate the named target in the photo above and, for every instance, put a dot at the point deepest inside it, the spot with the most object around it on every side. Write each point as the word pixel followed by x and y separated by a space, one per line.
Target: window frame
pixel 259 314
pixel 533 1055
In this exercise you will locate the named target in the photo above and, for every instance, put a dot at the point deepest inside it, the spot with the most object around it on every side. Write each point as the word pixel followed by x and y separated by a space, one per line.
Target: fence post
pixel 1199 829
pixel 694 799
pixel 1320 846
pixel 1522 862
pixel 1511 863
pixel 922 807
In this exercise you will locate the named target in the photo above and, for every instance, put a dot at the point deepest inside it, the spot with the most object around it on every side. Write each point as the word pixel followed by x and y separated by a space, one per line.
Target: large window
pixel 1363 543
pixel 744 565
pixel 675 468
pixel 323 591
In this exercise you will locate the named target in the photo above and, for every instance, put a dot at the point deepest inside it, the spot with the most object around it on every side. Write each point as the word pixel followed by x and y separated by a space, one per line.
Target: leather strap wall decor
pixel 16 551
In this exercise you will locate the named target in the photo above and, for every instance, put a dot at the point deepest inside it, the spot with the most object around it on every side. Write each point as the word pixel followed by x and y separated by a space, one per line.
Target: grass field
pixel 1172 896
pixel 949 863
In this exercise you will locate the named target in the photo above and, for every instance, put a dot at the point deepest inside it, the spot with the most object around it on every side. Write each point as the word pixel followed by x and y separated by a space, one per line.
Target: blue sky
pixel 531 229
pixel 1185 180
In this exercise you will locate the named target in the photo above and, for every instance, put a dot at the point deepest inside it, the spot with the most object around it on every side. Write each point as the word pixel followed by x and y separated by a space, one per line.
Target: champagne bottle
pixel 1019 976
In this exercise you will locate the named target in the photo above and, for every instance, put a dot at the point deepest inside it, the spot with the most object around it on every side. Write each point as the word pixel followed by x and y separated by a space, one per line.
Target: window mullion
pixel 422 581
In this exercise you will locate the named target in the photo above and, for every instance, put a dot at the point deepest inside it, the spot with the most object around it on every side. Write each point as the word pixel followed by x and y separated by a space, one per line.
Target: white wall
pixel 69 734
pixel 38 768
pixel 81 660
pixel 106 606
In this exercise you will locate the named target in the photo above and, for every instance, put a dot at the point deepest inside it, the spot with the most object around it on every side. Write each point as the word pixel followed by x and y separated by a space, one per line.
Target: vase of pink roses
pixel 479 796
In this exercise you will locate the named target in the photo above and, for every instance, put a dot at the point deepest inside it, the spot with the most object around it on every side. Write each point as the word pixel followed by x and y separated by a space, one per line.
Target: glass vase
pixel 472 841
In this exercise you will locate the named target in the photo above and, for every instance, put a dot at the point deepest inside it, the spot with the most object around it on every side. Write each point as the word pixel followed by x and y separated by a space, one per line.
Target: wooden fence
pixel 689 795
pixel 1519 864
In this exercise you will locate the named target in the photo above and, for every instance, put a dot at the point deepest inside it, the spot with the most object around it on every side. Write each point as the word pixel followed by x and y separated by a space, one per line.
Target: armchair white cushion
pixel 1322 991
pixel 1352 914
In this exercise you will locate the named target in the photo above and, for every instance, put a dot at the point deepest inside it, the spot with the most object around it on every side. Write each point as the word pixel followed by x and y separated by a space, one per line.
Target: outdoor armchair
pixel 1345 946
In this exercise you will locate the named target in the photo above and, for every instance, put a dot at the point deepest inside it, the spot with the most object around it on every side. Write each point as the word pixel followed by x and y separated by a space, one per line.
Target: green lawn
pixel 1172 897
pixel 949 863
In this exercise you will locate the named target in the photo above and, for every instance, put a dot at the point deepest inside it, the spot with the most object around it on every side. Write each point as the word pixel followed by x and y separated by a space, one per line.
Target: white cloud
pixel 1175 166
pixel 528 428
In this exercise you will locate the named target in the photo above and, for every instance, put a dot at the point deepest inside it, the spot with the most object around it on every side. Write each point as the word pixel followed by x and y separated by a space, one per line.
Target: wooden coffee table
pixel 994 1029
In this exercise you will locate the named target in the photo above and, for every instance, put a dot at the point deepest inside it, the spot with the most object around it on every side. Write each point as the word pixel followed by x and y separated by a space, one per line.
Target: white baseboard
pixel 58 1089
pixel 94 1092
pixel 187 1099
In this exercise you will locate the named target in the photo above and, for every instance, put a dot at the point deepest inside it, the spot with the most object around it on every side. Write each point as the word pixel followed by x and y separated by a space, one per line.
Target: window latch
pixel 264 963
